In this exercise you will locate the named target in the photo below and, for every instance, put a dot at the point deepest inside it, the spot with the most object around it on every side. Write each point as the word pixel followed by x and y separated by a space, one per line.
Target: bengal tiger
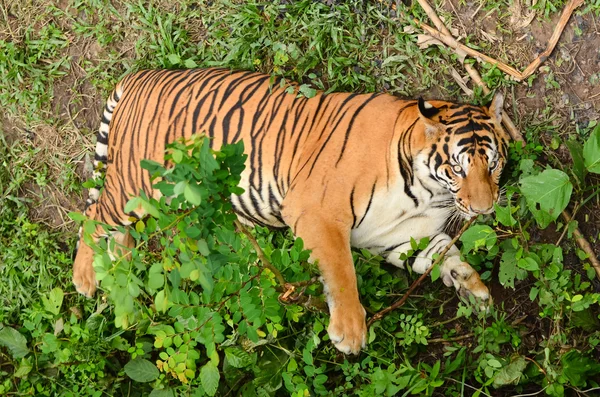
pixel 340 169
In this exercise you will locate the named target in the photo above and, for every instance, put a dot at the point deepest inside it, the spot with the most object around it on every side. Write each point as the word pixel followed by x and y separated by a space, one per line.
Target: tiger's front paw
pixel 84 275
pixel 84 279
pixel 467 282
pixel 347 328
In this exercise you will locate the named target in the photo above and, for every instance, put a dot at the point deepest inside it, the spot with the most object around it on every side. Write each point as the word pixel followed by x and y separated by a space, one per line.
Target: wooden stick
pixel 397 304
pixel 562 22
pixel 583 244
pixel 454 44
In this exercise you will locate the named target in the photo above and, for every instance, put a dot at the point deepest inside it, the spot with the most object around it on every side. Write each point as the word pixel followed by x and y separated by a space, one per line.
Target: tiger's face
pixel 468 152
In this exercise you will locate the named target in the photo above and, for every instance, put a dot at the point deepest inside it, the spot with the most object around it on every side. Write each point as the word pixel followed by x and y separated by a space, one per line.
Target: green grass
pixel 57 65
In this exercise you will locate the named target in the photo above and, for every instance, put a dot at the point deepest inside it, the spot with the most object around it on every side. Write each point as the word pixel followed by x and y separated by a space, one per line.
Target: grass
pixel 58 62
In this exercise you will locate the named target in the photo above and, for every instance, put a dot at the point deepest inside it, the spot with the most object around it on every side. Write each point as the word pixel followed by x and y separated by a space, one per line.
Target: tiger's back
pixel 285 136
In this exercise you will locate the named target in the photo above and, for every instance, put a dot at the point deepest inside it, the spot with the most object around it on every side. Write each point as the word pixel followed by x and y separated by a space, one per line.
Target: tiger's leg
pixel 84 275
pixel 330 245
pixel 454 271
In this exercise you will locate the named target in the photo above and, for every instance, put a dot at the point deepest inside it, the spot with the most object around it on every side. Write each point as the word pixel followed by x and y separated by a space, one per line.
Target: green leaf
pixel 209 376
pixel 77 216
pixel 150 209
pixel 591 151
pixel 54 301
pixel 238 358
pixel 504 216
pixel 132 205
pixel 547 194
pixel 209 164
pixel 192 193
pixel 577 367
pixel 576 151
pixel 511 374
pixel 435 272
pixel 14 342
pixel 508 269
pixel 478 236
pixel 528 264
pixel 162 393
pixel 190 64
pixel 307 91
pixel 161 302
pixel 174 59
pixel 141 370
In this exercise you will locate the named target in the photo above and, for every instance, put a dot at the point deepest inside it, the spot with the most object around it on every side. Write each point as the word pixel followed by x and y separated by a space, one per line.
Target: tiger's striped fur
pixel 341 169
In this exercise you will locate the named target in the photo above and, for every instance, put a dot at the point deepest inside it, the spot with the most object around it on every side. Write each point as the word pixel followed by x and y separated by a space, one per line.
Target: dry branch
pixel 444 35
pixel 562 22
pixel 584 244
pixel 457 46
pixel 401 301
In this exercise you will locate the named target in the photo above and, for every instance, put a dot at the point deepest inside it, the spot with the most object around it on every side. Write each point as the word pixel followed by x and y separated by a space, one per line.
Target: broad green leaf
pixel 161 301
pixel 77 216
pixel 591 151
pixel 54 301
pixel 141 370
pixel 511 374
pixel 150 209
pixel 209 164
pixel 209 376
pixel 177 156
pixel 578 367
pixel 504 216
pixel 24 368
pixel 547 194
pixel 14 342
pixel 162 393
pixel 528 264
pixel 133 205
pixel 192 193
pixel 435 272
pixel 238 358
pixel 478 236
pixel 307 91
pixel 508 269
pixel 576 151
pixel 175 59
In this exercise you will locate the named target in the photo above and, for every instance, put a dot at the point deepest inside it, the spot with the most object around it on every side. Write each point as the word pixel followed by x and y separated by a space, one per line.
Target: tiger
pixel 340 169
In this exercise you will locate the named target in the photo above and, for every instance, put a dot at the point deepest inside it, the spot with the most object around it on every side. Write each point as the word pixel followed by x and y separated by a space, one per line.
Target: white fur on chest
pixel 393 218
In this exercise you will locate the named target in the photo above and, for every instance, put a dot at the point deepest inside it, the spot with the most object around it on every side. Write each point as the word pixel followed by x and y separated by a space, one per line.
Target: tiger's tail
pixel 101 153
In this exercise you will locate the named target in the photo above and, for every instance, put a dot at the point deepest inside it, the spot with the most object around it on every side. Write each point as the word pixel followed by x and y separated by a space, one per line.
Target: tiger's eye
pixel 493 165
pixel 457 169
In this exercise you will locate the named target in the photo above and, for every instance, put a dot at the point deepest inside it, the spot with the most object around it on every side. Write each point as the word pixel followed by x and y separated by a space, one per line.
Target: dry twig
pixel 415 284
pixel 584 244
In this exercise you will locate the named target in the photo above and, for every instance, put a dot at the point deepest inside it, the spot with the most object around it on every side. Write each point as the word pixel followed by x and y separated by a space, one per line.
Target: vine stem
pixel 261 255
pixel 379 315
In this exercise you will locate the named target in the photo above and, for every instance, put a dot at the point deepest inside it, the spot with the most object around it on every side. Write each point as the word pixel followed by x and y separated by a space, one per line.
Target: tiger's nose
pixel 481 209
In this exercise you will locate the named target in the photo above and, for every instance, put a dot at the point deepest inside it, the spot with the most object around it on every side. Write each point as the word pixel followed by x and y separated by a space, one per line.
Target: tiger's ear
pixel 426 112
pixel 496 107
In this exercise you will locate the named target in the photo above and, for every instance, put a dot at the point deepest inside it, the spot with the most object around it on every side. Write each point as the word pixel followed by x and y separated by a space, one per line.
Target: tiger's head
pixel 468 150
